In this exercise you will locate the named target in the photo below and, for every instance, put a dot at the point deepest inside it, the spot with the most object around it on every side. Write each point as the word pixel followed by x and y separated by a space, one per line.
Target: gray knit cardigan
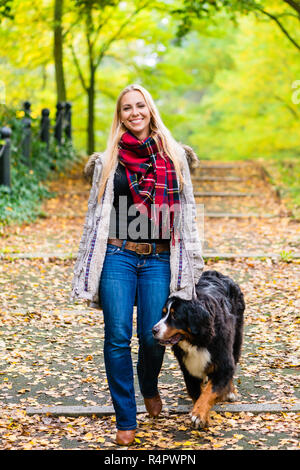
pixel 186 262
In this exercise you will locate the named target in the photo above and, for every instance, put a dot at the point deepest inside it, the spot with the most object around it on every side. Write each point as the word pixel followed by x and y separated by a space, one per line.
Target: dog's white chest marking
pixel 196 359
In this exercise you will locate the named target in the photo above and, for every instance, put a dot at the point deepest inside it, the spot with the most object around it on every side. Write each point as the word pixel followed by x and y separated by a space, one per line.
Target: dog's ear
pixel 201 324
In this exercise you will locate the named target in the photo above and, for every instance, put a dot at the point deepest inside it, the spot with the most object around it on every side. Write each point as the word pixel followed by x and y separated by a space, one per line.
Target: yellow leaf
pixel 88 436
pixel 63 419
pixel 23 390
pixel 44 442
pixel 27 446
pixel 218 445
pixel 100 439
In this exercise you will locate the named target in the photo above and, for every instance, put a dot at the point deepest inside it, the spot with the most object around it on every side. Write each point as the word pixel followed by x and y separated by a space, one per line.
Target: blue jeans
pixel 125 276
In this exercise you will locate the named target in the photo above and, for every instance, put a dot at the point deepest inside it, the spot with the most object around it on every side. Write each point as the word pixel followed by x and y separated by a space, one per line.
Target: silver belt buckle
pixel 142 253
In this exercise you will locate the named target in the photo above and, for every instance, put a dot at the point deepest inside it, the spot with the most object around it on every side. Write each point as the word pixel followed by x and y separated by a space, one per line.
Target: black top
pixel 126 222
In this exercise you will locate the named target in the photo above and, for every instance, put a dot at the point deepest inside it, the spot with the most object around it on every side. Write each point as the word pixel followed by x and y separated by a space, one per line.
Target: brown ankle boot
pixel 153 405
pixel 125 438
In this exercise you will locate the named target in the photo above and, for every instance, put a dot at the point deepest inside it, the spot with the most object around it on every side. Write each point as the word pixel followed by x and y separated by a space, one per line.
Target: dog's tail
pixel 236 297
pixel 238 304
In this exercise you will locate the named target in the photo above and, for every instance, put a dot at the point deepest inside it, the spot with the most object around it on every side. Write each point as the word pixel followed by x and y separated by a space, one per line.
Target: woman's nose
pixel 135 111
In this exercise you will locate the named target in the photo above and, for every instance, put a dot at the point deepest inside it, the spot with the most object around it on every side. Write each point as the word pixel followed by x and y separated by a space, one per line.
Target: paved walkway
pixel 51 350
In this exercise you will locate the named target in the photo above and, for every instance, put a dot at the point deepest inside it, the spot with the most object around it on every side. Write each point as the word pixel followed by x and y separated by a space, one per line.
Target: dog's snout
pixel 155 330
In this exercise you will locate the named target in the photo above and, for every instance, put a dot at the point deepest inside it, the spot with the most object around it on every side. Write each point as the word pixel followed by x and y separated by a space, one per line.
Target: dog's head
pixel 184 319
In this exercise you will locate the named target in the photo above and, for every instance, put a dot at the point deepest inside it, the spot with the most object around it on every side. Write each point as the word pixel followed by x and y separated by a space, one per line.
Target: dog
pixel 206 336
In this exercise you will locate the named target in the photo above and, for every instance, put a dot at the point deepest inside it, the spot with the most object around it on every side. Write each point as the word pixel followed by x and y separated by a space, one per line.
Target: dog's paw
pixel 231 397
pixel 198 421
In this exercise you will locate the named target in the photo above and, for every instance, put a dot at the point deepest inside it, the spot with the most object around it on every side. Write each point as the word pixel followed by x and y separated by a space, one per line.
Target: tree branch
pixel 76 62
pixel 293 4
pixel 292 110
pixel 106 46
pixel 285 32
pixel 100 26
pixel 68 30
pixel 289 15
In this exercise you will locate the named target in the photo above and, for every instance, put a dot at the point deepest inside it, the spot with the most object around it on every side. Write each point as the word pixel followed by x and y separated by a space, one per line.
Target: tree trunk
pixel 58 52
pixel 91 113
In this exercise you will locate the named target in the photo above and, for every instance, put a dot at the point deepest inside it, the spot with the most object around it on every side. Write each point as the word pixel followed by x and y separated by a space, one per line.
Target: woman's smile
pixel 136 121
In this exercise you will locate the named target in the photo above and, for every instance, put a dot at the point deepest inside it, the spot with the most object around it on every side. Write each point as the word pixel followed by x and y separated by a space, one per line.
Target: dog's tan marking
pixel 169 332
pixel 203 405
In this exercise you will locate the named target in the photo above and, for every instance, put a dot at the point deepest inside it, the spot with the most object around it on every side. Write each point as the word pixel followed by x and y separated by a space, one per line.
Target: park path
pixel 51 350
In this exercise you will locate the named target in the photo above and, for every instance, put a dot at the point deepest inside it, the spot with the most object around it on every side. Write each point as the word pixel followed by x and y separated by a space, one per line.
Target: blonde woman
pixel 140 245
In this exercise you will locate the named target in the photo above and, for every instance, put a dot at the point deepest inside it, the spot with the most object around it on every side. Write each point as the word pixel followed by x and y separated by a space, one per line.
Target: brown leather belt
pixel 139 247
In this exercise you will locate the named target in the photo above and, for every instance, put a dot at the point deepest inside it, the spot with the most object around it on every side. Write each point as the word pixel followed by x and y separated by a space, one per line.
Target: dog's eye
pixel 172 312
pixel 164 310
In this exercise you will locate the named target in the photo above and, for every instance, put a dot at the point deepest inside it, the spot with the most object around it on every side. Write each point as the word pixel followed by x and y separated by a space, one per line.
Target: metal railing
pixel 62 131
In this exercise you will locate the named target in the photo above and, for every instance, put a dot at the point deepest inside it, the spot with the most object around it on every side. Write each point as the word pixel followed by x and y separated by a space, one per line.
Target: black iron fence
pixel 61 130
pixel 5 134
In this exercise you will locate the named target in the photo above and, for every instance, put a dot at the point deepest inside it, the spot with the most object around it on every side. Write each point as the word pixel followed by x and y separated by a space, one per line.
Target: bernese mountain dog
pixel 206 337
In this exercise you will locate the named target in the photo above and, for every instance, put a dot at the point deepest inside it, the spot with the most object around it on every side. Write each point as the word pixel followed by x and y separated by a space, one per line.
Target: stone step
pixel 37 255
pixel 180 409
pixel 240 215
pixel 224 194
pixel 196 193
pixel 277 256
pixel 217 255
pixel 206 214
pixel 221 166
pixel 218 178
pixel 72 193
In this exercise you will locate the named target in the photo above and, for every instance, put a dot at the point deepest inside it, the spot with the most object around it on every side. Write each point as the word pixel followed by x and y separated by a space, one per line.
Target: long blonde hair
pixel 157 128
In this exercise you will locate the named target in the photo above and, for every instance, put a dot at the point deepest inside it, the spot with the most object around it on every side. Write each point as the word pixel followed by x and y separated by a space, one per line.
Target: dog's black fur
pixel 212 322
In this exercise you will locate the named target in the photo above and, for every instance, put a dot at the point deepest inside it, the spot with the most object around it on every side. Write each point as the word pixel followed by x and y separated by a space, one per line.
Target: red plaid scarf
pixel 151 178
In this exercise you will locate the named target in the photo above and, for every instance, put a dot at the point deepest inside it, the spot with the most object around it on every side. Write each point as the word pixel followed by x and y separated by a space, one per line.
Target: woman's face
pixel 135 114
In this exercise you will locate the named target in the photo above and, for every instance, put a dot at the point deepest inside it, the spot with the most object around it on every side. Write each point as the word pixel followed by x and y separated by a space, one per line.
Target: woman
pixel 140 244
